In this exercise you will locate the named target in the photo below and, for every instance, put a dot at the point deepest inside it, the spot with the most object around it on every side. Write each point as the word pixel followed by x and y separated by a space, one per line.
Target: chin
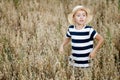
pixel 81 23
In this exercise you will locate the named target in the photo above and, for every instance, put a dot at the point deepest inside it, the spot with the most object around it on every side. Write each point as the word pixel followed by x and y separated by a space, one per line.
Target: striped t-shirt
pixel 82 45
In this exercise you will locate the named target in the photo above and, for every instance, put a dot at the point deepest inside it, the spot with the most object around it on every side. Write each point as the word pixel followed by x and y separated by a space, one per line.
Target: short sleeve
pixel 68 34
pixel 93 33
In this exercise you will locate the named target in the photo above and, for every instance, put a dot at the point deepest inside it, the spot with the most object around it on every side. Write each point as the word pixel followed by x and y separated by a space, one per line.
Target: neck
pixel 79 26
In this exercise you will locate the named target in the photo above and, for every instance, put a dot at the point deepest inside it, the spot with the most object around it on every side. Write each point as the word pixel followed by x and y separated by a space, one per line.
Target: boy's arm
pixel 65 42
pixel 99 44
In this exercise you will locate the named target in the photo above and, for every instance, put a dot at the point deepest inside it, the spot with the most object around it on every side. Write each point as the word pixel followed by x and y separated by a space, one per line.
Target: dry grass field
pixel 31 32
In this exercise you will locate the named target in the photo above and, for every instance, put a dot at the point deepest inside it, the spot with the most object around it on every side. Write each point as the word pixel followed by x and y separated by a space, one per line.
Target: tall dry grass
pixel 31 32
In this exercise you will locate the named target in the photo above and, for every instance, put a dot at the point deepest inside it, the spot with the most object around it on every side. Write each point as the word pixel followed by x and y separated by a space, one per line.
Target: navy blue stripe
pixel 71 26
pixel 80 41
pixel 81 62
pixel 79 33
pixel 82 48
pixel 68 35
pixel 80 55
pixel 88 27
pixel 93 33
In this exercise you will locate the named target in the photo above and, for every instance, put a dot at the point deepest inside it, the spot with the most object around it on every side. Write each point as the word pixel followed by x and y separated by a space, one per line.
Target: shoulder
pixel 71 26
pixel 88 27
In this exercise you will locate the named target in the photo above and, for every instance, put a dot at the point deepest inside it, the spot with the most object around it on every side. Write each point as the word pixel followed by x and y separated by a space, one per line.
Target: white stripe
pixel 91 31
pixel 95 35
pixel 82 51
pixel 83 30
pixel 68 33
pixel 79 65
pixel 79 58
pixel 82 44
pixel 80 37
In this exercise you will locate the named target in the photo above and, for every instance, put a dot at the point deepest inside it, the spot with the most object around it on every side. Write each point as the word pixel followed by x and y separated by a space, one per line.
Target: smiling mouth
pixel 81 20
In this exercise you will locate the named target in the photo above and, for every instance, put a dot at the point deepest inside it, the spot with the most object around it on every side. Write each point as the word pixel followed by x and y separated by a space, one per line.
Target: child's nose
pixel 81 17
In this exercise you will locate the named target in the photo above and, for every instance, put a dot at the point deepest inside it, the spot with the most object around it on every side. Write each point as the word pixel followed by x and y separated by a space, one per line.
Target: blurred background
pixel 31 32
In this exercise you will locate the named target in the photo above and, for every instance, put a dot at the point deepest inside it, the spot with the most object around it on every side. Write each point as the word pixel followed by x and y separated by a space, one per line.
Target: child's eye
pixel 84 15
pixel 78 15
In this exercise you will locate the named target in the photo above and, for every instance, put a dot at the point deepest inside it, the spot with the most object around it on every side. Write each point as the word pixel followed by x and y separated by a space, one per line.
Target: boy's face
pixel 80 17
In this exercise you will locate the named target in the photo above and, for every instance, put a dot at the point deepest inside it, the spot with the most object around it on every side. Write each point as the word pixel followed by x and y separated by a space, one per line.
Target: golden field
pixel 31 32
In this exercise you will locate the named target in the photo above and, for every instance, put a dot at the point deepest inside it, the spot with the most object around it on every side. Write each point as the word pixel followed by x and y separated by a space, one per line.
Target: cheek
pixel 76 18
pixel 85 17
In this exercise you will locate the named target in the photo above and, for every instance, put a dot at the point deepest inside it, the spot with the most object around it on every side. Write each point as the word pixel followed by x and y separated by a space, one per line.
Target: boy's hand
pixel 92 54
pixel 61 50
